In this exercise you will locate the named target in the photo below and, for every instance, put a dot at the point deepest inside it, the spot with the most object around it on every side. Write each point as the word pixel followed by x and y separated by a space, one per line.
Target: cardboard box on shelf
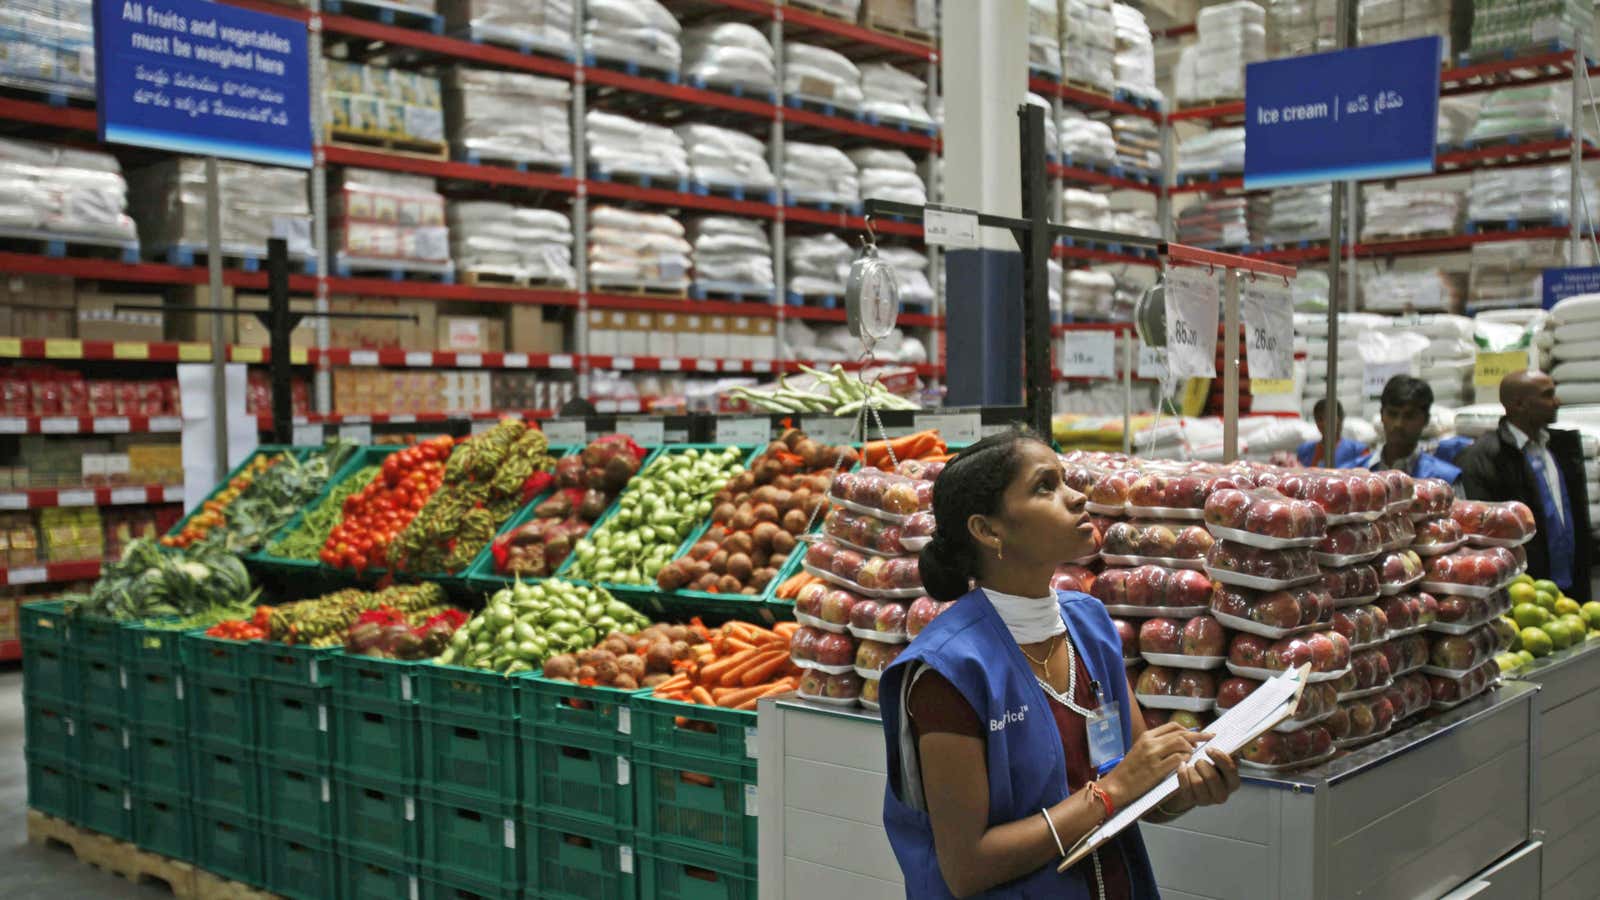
pixel 100 320
pixel 740 345
pixel 764 339
pixel 155 463
pixel 38 306
pixel 636 333
pixel 914 18
pixel 421 334
pixel 691 335
pixel 471 334
pixel 106 469
pixel 603 339
pixel 664 340
pixel 530 331
pixel 364 334
pixel 715 338
pixel 10 624
pixel 250 331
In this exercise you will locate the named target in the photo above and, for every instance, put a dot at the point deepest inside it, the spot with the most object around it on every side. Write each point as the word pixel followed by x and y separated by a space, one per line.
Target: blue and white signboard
pixel 1369 112
pixel 1559 284
pixel 203 78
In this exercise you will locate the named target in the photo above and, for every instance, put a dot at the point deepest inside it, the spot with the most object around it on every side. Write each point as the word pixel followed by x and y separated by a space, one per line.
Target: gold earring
pixel 1000 551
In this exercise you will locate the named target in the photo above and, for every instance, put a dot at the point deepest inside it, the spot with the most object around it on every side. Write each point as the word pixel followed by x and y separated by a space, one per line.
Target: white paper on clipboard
pixel 1271 703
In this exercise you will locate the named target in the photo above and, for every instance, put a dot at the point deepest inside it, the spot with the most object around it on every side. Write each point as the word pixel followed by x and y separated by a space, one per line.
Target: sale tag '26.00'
pixel 1266 306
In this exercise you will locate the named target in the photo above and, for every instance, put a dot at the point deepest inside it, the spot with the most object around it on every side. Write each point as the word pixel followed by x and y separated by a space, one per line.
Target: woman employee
pixel 1010 726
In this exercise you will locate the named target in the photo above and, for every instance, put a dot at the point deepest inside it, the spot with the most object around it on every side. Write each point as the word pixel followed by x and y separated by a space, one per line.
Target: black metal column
pixel 1036 270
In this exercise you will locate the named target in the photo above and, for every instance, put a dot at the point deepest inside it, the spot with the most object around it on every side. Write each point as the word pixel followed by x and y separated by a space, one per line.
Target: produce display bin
pixel 293 722
pixel 467 757
pixel 159 759
pixel 49 673
pixel 296 799
pixel 439 884
pixel 580 777
pixel 103 747
pixel 564 859
pixel 221 709
pixel 155 698
pixel 106 806
pixel 263 450
pixel 466 838
pixel 43 623
pixel 226 778
pixel 50 729
pixel 98 639
pixel 688 729
pixel 549 705
pixel 298 867
pixel 482 566
pixel 163 822
pixel 693 802
pixel 363 457
pixel 99 684
pixel 377 740
pixel 228 844
pixel 611 510
pixel 363 878
pixel 363 678
pixel 206 657
pixel 669 872
pixel 147 648
pixel 377 818
pixel 53 786
pixel 466 694
pixel 293 664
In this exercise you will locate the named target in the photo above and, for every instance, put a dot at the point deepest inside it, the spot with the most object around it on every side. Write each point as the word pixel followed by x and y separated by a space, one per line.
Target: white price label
pixel 412 891
pixel 624 770
pixel 678 436
pixel 705 365
pixel 411 810
pixel 947 226
pixel 760 365
pixel 830 429
pixel 322 717
pixel 307 434
pixel 327 790
pixel 401 419
pixel 177 687
pixel 561 361
pixel 650 431
pixel 954 428
pixel 510 829
pixel 363 358
pixel 1152 362
pixel 360 434
pixel 122 675
pixel 469 360
pixel 27 575
pixel 625 859
pixel 743 430
pixel 1267 309
pixel 751 748
pixel 1192 302
pixel 566 432
pixel 751 808
pixel 120 496
pixel 127 798
pixel 625 720
pixel 125 740
pixel 1088 354
pixel 66 425
pixel 75 498
pixel 13 501
pixel 671 364
pixel 622 362
pixel 313 671
pixel 1375 375
pixel 160 424
pixel 483 425
pixel 20 426
pixel 422 360
pixel 405 688
pixel 514 360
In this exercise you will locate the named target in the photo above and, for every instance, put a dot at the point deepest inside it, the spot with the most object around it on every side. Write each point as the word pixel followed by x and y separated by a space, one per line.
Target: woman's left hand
pixel 1205 783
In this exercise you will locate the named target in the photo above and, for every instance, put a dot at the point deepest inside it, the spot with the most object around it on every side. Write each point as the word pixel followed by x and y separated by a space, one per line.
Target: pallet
pixel 1090 88
pixel 395 270
pixel 821 10
pixel 61 246
pixel 658 182
pixel 892 29
pixel 1115 170
pixel 1404 238
pixel 770 95
pixel 472 158
pixel 190 255
pixel 824 106
pixel 1133 250
pixel 738 293
pixel 853 209
pixel 1206 177
pixel 352 140
pixel 1515 140
pixel 386 14
pixel 1043 73
pixel 734 192
pixel 640 290
pixel 632 68
pixel 477 34
pixel 817 301
pixel 1205 102
pixel 1481 226
pixel 110 855
pixel 902 125
pixel 494 278
pixel 1136 99
pixel 211 887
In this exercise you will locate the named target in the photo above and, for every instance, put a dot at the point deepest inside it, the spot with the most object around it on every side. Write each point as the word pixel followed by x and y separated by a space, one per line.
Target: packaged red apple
pixel 1160 687
pixel 1362 626
pixel 825 651
pixel 1454 655
pixel 1128 633
pixel 1476 572
pixel 1072 577
pixel 1179 545
pixel 1263 517
pixel 1402 489
pixel 1395 531
pixel 1176 495
pixel 1432 498
pixel 1082 476
pixel 1351 585
pixel 923 610
pixel 1369 674
pixel 868 575
pixel 886 495
pixel 1459 615
pixel 920 469
pixel 1347 545
pixel 867 534
pixel 1406 654
pixel 840 689
pixel 1108 495
pixel 1253 656
pixel 880 620
pixel 1317 702
pixel 1271 614
pixel 1260 568
pixel 1346 496
pixel 872 657
pixel 1409 695
pixel 918 531
pixel 1448 693
pixel 825 606
pixel 1409 613
pixel 1274 751
pixel 1197 643
pixel 1508 524
pixel 1155 718
pixel 1361 721
pixel 1153 591
pixel 1437 536
pixel 1397 571
pixel 869 694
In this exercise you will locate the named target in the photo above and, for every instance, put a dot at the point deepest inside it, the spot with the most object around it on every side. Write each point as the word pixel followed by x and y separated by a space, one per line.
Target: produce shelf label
pixel 1192 303
pixel 209 79
pixel 1267 310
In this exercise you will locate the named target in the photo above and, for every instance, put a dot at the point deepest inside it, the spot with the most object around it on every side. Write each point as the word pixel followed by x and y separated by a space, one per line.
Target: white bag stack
pixel 1385 21
pixel 1138 143
pixel 1525 111
pixel 1526 195
pixel 1301 27
pixel 1057 278
pixel 1446 364
pixel 640 31
pixel 1424 290
pixel 722 157
pixel 729 55
pixel 895 95
pixel 1297 214
pixel 817 173
pixel 731 252
pixel 911 271
pixel 388 221
pixel 258 203
pixel 1229 36
pixel 509 116
pixel 1085 209
pixel 1506 25
pixel 1135 62
pixel 1090 295
pixel 1401 213
pixel 526 245
pixel 821 75
pixel 1219 221
pixel 818 265
pixel 1577 348
pixel 887 174
pixel 1044 37
pixel 620 145
pixel 1085 140
pixel 1088 43
pixel 1140 222
pixel 636 250
pixel 1310 290
pixel 1510 274
pixel 1354 329
pixel 1218 150
pixel 1052 141
pixel 1457 115
pixel 536 24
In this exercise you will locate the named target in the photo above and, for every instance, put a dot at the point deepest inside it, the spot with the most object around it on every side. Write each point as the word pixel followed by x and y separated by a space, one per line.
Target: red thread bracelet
pixel 1104 798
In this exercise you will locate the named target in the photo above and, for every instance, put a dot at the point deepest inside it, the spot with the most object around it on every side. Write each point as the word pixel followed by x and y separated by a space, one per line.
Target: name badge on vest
pixel 1104 725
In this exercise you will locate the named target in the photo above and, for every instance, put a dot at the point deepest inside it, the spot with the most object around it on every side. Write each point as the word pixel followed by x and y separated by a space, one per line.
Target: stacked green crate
pixel 224 763
pixel 157 721
pixel 293 688
pixel 103 747
pixel 694 769
pixel 577 789
pixel 376 769
pixel 49 697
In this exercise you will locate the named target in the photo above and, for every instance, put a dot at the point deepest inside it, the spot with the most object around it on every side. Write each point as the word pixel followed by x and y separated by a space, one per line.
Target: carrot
pixel 734 645
pixel 702 696
pixel 911 446
pixel 765 671
pixel 787 630
pixel 732 677
pixel 675 683
pixel 743 631
pixel 792 585
pixel 733 698
pixel 777 687
pixel 712 672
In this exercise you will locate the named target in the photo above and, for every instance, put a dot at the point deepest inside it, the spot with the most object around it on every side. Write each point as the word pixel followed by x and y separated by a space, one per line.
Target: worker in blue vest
pixel 1345 454
pixel 1010 727
pixel 1405 405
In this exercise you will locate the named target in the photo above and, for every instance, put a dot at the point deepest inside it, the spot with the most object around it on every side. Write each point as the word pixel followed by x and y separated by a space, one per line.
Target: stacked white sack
pixel 640 31
pixel 525 244
pixel 624 146
pixel 636 250
pixel 731 252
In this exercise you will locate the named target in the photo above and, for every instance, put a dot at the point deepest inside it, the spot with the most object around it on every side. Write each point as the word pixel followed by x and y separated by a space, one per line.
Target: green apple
pixel 1535 641
pixel 1545 600
pixel 1526 615
pixel 1548 586
pixel 1591 614
pixel 1560 634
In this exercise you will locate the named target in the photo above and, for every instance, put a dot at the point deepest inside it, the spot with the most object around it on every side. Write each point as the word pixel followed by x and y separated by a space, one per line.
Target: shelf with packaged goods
pixel 1451 243
pixel 1091 100
pixel 51 573
pixel 1092 177
pixel 421 418
pixel 129 495
pixel 904 320
pixel 1102 256
pixel 90 425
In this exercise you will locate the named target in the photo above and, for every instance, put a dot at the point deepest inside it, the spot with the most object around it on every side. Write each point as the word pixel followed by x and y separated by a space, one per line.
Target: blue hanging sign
pixel 1559 284
pixel 1368 112
pixel 203 78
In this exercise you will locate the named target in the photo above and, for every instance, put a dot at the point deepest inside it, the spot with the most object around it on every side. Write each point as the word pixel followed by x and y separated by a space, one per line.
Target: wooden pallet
pixel 492 278
pixel 352 140
pixel 1205 102
pixel 821 10
pixel 210 887
pixel 117 857
pixel 1099 90
pixel 1402 239
pixel 895 30
pixel 638 290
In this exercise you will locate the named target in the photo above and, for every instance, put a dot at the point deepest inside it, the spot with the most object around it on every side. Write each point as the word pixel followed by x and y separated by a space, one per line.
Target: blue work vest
pixel 1428 466
pixel 1027 769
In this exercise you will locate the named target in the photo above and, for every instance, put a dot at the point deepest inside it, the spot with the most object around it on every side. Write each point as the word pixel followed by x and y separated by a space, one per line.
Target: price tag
pixel 705 365
pixel 190 351
pixel 650 431
pixel 313 672
pixel 678 436
pixel 624 770
pixel 1265 387
pixel 322 717
pixel 307 434
pixel 27 575
pixel 510 832
pixel 1192 302
pixel 565 432
pixel 13 426
pixel 751 808
pixel 327 790
pixel 127 796
pixel 135 495
pixel 1375 375
pixel 760 365
pixel 1088 354
pixel 469 360
pixel 13 501
pixel 954 428
pixel 830 429
pixel 671 364
pixel 12 347
pixel 411 809
pixel 1489 368
pixel 360 434
pixel 165 423
pixel 75 498
pixel 1266 307
pixel 561 361
pixel 402 419
pixel 514 360
pixel 420 360
pixel 948 226
pixel 111 425
pixel 405 688
pixel 363 358
pixel 177 686
pixel 624 721
pixel 743 430
pixel 59 425
pixel 412 881
pixel 247 355
pixel 63 348
pixel 625 859
pixel 751 748
pixel 622 362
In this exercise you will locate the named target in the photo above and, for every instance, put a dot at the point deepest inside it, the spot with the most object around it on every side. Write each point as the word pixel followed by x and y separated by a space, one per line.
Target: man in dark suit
pixel 1525 459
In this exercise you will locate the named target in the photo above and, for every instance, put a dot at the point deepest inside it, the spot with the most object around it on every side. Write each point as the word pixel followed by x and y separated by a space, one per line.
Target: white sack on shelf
pixel 69 192
pixel 629 146
pixel 642 31
pixel 729 54
pixel 818 264
pixel 817 173
pixel 509 116
pixel 894 94
pixel 539 24
pixel 733 251
pixel 821 74
pixel 724 157
pixel 498 238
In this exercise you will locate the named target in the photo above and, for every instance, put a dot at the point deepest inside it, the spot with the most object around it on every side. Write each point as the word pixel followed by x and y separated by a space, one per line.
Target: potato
pixel 631 666
pixel 728 584
pixel 766 512
pixel 678 633
pixel 742 542
pixel 562 665
pixel 586 673
pixel 795 521
pixel 625 682
pixel 763 535
pixel 724 511
pixel 659 658
pixel 605 670
pixel 740 566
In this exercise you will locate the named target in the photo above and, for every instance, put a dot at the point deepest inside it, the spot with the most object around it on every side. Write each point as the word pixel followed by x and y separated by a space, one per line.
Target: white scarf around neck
pixel 1030 620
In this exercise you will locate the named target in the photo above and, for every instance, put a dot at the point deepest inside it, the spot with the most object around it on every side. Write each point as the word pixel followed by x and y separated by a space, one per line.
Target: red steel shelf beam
pixel 45 573
pixel 1045 87
pixel 1089 176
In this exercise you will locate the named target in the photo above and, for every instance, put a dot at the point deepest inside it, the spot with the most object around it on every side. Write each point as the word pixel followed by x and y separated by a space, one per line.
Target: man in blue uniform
pixel 1345 454
pixel 1406 402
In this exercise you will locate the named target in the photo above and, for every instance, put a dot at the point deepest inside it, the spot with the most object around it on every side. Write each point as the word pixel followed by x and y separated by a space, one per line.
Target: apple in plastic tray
pixel 921 525
pixel 920 470
pixel 922 611
pixel 1355 538
pixel 1359 580
pixel 1278 748
pixel 1398 567
pixel 1440 531
pixel 1264 511
pixel 1234 690
pixel 840 686
pixel 876 655
pixel 803 646
pixel 1454 608
pixel 1402 487
pixel 1157 681
pixel 864 613
pixel 1161 636
pixel 1152 586
pixel 875 489
pixel 1111 489
pixel 1474 568
pixel 1361 624
pixel 869 690
pixel 1279 565
pixel 1508 521
pixel 1203 636
pixel 808 602
pixel 1396 531
pixel 1326 651
pixel 1250 651
pixel 834 649
pixel 1072 578
pixel 1449 690
pixel 1370 667
pixel 1287 608
pixel 1432 498
pixel 1128 634
pixel 838 606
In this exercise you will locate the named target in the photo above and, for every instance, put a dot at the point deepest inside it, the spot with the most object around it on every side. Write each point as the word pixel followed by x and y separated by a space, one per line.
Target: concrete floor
pixel 28 871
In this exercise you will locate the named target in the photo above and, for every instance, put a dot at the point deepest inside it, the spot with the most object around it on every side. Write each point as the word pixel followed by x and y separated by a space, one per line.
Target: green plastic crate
pixel 292 722
pixel 470 758
pixel 43 623
pixel 438 884
pixel 377 818
pixel 294 664
pixel 163 823
pixel 228 844
pixel 155 697
pixel 51 729
pixel 220 708
pixel 696 803
pixel 49 673
pixel 207 657
pixel 547 705
pixel 145 648
pixel 99 684
pixel 708 732
pixel 225 778
pixel 366 877
pixel 468 693
pixel 106 806
pixel 466 838
pixel 565 859
pixel 581 778
pixel 103 747
pixel 262 450
pixel 96 637
pixel 159 760
pixel 668 872
pixel 298 867
pixel 296 799
pixel 363 678
pixel 53 786
pixel 377 740
pixel 363 457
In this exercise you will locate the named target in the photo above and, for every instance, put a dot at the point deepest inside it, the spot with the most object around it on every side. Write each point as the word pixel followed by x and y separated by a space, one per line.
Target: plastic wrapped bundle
pixel 61 191
pixel 257 203
pixel 1385 21
pixel 1396 213
pixel 1526 195
pixel 1057 276
pixel 524 245
pixel 1138 143
pixel 509 116
pixel 374 102
pixel 1088 43
pixel 729 55
pixel 636 250
pixel 1297 214
pixel 618 144
pixel 1310 290
pixel 1135 62
pixel 640 31
pixel 1217 150
pixel 820 74
pixel 889 175
pixel 721 157
pixel 1085 209
pixel 1514 24
pixel 1229 36
pixel 1456 118
pixel 816 173
pixel 818 265
pixel 1574 327
pixel 536 24
pixel 731 252
pixel 1052 142
pixel 1044 37
pixel 387 220
pixel 843 9
pixel 48 45
pixel 1085 140
pixel 1090 295
pixel 1510 274
pixel 1427 290
pixel 894 94
pixel 1523 111
pixel 1217 222
pixel 1301 27
pixel 1140 222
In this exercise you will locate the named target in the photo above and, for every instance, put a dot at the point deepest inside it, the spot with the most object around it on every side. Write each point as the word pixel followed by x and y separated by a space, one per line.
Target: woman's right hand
pixel 1155 754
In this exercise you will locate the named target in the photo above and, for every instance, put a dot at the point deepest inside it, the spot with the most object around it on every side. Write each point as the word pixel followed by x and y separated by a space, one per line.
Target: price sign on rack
pixel 1152 362
pixel 1192 301
pixel 566 432
pixel 1265 305
pixel 743 430
pixel 1374 375
pixel 1088 354
pixel 646 431
pixel 1490 367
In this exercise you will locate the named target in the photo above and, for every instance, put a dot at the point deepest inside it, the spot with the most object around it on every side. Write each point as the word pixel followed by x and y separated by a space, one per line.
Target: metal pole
pixel 1036 270
pixel 279 328
pixel 1128 361
pixel 580 209
pixel 1575 160
pixel 779 229
pixel 1230 366
pixel 1346 34
pixel 322 380
pixel 219 341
